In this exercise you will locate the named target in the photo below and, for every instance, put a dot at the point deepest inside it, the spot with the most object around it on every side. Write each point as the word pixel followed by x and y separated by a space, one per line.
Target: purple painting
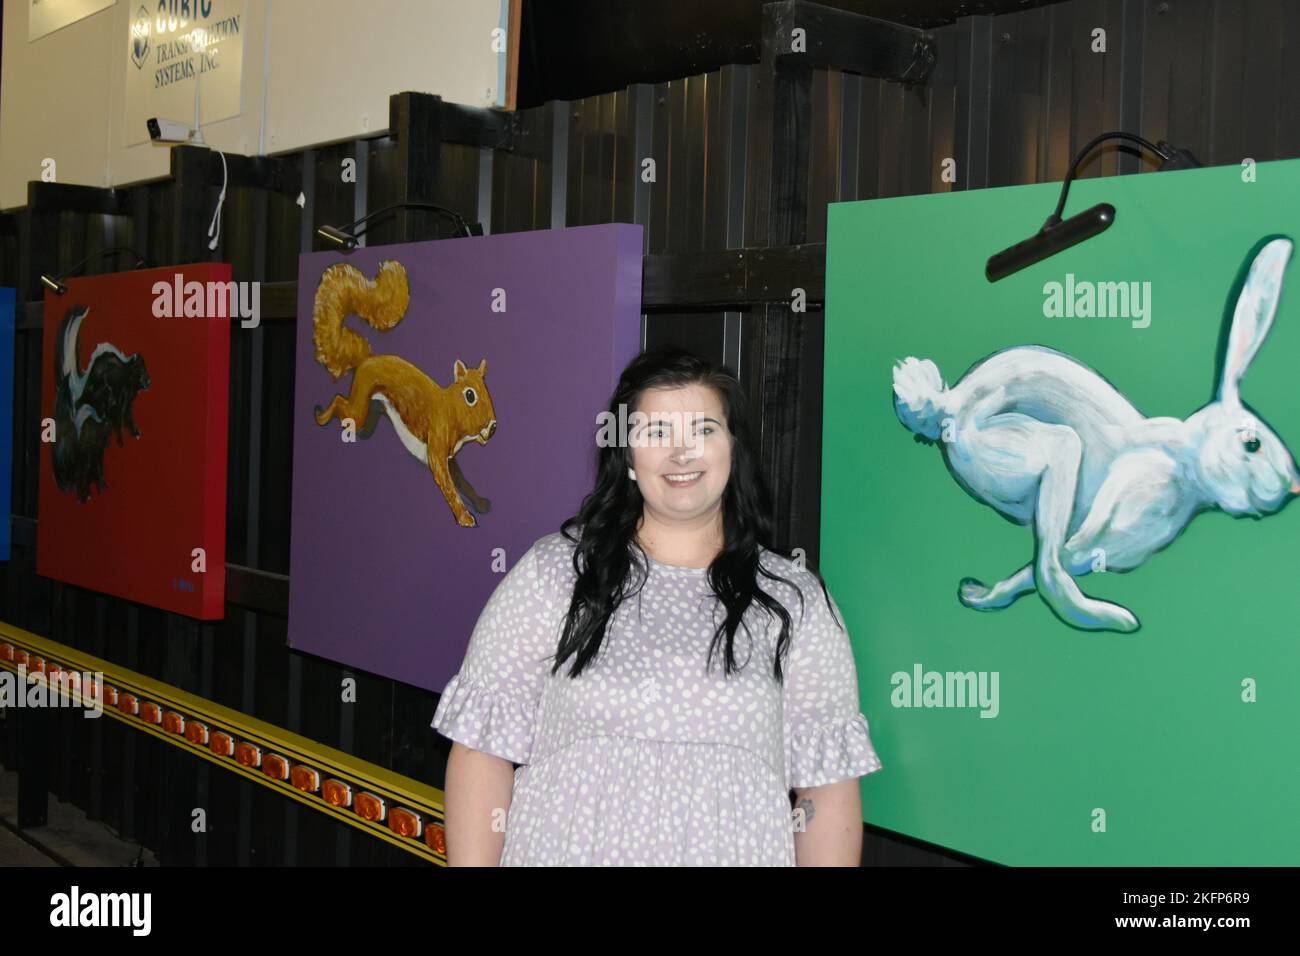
pixel 446 403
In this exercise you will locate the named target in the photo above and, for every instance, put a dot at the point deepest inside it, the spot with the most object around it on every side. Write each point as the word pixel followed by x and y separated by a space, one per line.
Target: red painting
pixel 134 406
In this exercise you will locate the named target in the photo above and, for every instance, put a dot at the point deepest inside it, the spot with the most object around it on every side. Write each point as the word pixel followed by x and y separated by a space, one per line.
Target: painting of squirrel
pixel 433 422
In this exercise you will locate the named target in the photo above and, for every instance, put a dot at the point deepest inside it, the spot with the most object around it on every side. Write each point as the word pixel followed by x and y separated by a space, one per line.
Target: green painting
pixel 1055 515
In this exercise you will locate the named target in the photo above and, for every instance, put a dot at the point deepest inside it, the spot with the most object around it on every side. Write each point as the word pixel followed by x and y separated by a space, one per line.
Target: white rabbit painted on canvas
pixel 1049 443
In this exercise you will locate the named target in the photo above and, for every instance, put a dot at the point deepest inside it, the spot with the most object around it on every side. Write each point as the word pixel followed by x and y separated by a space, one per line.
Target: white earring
pixel 631 474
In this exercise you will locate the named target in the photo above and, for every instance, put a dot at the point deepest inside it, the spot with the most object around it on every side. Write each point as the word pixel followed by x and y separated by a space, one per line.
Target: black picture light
pixel 1058 234
pixel 55 283
pixel 346 236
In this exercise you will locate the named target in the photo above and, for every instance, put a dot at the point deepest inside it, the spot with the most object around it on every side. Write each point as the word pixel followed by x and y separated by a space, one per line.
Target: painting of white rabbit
pixel 1050 443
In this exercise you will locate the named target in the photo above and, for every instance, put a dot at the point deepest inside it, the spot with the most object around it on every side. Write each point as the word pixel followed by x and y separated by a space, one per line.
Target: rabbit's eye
pixel 1250 443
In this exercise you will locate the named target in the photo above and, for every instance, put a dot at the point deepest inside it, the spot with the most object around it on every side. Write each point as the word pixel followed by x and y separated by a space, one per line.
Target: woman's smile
pixel 684 479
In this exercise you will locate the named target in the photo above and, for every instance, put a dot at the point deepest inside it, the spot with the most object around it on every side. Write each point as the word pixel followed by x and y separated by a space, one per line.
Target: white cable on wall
pixel 214 229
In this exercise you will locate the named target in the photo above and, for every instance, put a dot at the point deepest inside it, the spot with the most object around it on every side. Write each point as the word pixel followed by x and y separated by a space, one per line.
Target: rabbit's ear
pixel 1256 307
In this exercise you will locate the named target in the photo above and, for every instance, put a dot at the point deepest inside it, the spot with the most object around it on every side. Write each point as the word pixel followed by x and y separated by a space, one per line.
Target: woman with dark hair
pixel 662 676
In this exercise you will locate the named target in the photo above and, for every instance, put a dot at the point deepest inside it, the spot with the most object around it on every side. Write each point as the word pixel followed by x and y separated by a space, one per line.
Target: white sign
pixel 183 57
pixel 46 16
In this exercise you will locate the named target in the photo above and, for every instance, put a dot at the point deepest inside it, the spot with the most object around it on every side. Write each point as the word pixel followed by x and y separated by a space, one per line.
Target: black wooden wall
pixel 748 157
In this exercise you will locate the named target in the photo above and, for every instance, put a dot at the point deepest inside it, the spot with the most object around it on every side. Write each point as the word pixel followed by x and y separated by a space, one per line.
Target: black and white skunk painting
pixel 90 405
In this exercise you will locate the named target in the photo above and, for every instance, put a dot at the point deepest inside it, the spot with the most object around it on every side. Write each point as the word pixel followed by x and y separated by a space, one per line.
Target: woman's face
pixel 683 433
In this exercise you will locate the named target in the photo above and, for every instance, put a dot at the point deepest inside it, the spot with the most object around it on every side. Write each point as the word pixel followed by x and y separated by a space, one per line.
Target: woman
pixel 660 702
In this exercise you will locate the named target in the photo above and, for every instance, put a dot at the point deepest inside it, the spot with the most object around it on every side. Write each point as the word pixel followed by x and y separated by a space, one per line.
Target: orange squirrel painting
pixel 432 421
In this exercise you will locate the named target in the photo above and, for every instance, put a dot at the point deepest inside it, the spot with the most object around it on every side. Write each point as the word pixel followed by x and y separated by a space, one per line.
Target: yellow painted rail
pixel 387 805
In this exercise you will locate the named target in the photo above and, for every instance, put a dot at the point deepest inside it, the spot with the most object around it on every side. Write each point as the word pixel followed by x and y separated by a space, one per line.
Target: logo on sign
pixel 140 38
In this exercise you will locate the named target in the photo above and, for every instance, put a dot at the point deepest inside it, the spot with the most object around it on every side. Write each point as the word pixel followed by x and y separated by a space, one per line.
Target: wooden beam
pixel 257 590
pixel 841 40
pixel 733 277
pixel 485 129
pixel 269 173
pixel 87 200
pixel 670 282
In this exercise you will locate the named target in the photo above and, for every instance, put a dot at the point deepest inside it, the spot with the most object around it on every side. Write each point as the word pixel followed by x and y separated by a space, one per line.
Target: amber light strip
pixel 402 811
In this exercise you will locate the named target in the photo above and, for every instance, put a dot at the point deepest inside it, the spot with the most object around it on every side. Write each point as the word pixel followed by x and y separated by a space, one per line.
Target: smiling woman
pixel 669 729
pixel 681 462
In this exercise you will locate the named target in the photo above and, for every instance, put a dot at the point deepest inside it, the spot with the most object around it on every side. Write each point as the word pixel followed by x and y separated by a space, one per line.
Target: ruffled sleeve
pixel 498 723
pixel 827 738
pixel 491 703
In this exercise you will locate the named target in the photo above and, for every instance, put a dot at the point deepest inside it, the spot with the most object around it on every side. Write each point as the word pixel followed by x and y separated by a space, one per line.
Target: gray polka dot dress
pixel 646 759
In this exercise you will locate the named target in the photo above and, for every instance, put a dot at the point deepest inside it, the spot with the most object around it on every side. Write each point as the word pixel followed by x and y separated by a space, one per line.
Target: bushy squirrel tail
pixel 918 390
pixel 343 290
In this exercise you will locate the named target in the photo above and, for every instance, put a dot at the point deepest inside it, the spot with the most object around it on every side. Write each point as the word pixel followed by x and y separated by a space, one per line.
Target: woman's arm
pixel 477 797
pixel 829 830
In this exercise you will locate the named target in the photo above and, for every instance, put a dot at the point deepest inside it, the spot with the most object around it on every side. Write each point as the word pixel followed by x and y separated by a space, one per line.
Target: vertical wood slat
pixel 1287 120
pixel 1132 52
pixel 942 120
pixel 29 426
pixel 457 187
pixel 733 170
pixel 867 173
pixel 561 172
pixel 415 119
pixel 779 367
pixel 94 806
pixel 688 186
pixel 974 39
pixel 1005 130
pixel 264 657
pixel 521 179
pixel 1264 50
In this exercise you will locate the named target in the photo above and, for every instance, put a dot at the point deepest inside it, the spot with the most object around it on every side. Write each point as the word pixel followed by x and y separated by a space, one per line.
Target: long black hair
pixel 608 518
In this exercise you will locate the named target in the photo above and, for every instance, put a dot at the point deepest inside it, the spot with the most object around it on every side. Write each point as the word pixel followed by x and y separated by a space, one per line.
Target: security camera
pixel 171 131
